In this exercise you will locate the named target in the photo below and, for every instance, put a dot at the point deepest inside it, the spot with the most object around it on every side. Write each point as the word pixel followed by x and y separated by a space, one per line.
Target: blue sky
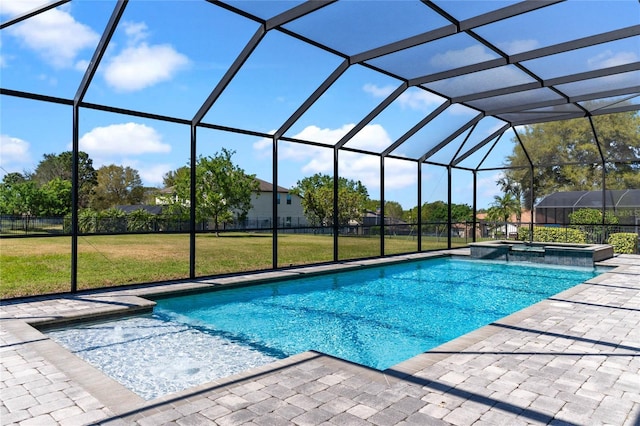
pixel 166 59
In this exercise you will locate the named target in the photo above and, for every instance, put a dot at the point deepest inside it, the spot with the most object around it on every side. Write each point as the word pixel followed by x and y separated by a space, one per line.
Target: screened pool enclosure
pixel 420 101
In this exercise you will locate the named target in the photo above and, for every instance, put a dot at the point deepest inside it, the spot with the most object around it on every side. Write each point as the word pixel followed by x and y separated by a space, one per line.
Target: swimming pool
pixel 377 317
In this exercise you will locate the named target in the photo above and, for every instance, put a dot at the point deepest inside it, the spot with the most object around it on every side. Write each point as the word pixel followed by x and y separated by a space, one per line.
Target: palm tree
pixel 510 186
pixel 502 208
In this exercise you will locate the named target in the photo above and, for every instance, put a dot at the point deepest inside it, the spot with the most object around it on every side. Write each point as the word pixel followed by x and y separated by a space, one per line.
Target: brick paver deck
pixel 573 359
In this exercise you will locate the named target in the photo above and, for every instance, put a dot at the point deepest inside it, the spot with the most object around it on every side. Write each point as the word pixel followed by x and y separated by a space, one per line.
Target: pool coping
pixel 120 400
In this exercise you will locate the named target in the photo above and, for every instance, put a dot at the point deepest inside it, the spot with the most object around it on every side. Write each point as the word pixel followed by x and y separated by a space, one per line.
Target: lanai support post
pixel 449 207
pixel 192 203
pixel 382 213
pixel 419 219
pixel 335 205
pixel 118 10
pixel 274 204
pixel 604 177
pixel 474 221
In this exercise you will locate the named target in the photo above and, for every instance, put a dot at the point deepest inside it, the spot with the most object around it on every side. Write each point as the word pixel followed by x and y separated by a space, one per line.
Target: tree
pixel 393 210
pixel 502 208
pixel 56 198
pixel 222 189
pixel 317 199
pixel 13 178
pixel 60 166
pixel 572 143
pixel 435 215
pixel 514 188
pixel 117 185
pixel 170 178
pixel 20 198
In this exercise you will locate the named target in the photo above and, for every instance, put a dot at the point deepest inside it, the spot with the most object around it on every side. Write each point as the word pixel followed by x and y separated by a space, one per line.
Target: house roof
pixel 265 186
pixel 625 198
pixel 153 209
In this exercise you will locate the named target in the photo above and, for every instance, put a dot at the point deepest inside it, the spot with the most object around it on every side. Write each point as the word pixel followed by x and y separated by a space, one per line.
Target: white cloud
pixel 399 174
pixel 3 58
pixel 608 59
pixel 151 174
pixel 419 100
pixel 141 66
pixel 378 92
pixel 135 31
pixel 459 58
pixel 372 137
pixel 14 153
pixel 55 35
pixel 416 99
pixel 366 168
pixel 328 136
pixel 519 46
pixel 123 139
pixel 263 144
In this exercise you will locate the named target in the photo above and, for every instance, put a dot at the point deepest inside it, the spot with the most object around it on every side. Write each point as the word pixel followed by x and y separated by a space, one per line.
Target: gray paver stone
pixel 83 419
pixel 424 419
pixel 161 417
pixel 303 401
pixel 462 416
pixel 312 418
pixel 66 412
pixel 362 411
pixel 387 417
pixel 195 406
pixel 215 412
pixel 237 418
pixel 346 419
pixel 20 403
pixel 266 406
pixel 50 407
pixel 195 419
pixel 43 420
pixel 289 411
pixel 233 402
pixel 337 405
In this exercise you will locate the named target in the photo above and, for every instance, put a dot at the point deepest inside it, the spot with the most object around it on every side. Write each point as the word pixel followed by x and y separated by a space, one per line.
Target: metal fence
pixel 464 231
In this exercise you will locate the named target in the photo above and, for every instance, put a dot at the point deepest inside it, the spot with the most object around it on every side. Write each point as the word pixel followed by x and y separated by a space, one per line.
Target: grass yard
pixel 33 266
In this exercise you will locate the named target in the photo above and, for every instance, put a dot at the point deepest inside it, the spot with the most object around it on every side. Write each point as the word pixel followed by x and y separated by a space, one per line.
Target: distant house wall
pixel 290 211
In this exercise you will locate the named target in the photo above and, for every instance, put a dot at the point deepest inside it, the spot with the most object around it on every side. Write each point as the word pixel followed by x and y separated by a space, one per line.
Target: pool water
pixel 376 317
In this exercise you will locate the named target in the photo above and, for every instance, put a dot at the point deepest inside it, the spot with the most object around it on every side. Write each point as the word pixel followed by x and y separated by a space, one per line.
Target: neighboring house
pixel 166 196
pixel 290 211
pixel 371 221
pixel 495 230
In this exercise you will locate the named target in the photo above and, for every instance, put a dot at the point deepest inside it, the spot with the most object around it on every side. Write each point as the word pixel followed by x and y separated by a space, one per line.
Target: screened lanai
pixel 420 101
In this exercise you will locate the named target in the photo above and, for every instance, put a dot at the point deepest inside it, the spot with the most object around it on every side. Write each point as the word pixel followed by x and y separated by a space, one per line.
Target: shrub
pixel 111 221
pixel 140 221
pixel 624 242
pixel 553 235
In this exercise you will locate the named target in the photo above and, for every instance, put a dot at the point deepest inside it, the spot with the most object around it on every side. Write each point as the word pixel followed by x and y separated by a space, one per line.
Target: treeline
pixel 47 191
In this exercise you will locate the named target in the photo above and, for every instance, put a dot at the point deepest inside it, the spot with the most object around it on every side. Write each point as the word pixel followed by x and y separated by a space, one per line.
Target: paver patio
pixel 573 359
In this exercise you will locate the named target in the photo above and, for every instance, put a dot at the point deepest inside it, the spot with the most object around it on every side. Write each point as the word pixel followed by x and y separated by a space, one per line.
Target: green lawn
pixel 32 266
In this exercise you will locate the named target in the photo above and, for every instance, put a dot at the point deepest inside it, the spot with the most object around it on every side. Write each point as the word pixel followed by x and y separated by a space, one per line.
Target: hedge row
pixel 624 242
pixel 553 235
